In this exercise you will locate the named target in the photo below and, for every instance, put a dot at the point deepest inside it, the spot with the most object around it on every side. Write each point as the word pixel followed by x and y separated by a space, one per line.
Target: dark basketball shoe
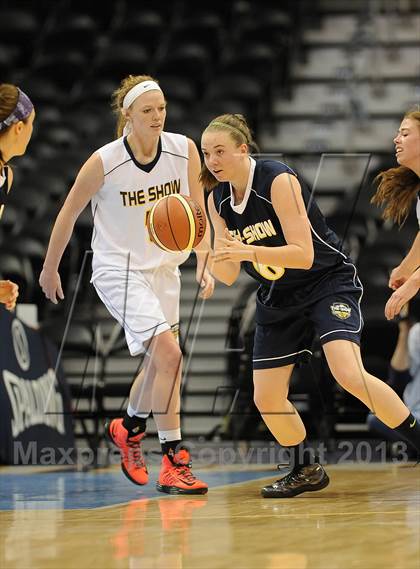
pixel 307 478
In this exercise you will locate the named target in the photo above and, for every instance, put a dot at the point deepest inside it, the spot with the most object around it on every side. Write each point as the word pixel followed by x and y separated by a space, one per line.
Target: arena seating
pixel 287 68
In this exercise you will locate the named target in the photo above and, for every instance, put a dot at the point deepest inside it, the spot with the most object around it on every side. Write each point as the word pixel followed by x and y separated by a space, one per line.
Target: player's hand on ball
pixel 231 248
pixel 50 283
pixel 206 282
pixel 8 294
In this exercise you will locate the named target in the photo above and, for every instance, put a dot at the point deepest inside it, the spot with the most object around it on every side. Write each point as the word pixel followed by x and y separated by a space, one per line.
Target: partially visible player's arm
pixel 408 265
pixel 286 197
pixel 203 249
pixel 412 259
pixel 197 193
pixel 9 291
pixel 402 295
pixel 225 271
pixel 88 182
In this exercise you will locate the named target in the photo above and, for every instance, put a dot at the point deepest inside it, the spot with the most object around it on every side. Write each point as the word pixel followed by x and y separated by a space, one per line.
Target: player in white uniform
pixel 16 124
pixel 398 189
pixel 138 282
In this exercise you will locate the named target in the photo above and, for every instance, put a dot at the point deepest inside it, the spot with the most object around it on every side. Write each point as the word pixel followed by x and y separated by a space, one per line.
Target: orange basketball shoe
pixel 175 476
pixel 132 460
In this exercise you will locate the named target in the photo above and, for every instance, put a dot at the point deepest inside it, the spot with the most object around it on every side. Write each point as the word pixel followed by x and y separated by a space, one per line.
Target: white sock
pixel 168 436
pixel 131 412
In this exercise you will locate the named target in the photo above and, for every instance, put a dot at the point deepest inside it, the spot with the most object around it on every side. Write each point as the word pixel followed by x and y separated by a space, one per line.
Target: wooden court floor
pixel 369 517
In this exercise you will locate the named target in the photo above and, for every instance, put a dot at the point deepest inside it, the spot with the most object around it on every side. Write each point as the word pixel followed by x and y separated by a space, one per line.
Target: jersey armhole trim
pixel 118 165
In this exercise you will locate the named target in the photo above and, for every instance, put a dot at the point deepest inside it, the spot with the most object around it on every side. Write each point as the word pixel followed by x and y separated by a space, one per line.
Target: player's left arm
pixel 287 200
pixel 197 193
pixel 298 253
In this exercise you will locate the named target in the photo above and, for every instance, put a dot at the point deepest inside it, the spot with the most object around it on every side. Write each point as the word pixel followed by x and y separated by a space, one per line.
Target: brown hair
pixel 239 131
pixel 9 96
pixel 118 98
pixel 398 187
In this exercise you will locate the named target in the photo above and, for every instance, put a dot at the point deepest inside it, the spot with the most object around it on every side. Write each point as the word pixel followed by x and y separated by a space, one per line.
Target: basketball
pixel 176 223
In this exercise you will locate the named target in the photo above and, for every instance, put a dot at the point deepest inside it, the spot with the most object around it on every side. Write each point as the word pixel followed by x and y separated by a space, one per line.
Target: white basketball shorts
pixel 145 303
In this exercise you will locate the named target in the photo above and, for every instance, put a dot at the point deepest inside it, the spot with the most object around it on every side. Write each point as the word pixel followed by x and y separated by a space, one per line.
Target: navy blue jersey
pixel 4 185
pixel 255 222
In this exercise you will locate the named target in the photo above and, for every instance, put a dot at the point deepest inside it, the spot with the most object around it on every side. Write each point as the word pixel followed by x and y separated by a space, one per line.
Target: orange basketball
pixel 176 223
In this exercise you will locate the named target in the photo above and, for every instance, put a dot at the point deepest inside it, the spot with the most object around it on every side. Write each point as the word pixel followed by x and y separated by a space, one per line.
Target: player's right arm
pixel 88 182
pixel 407 267
pixel 225 271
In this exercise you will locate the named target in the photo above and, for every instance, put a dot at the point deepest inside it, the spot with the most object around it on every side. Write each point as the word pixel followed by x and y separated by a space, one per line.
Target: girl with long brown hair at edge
pixel 16 124
pixel 398 189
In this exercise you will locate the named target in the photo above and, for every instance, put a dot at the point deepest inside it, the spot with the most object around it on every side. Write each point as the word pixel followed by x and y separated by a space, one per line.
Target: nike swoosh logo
pixel 187 482
pixel 413 423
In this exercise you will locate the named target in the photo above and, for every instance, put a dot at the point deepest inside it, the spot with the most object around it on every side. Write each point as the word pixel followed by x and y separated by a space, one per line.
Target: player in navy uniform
pixel 16 124
pixel 398 189
pixel 264 217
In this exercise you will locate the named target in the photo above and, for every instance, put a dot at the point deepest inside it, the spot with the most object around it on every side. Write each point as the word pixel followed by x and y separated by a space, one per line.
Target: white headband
pixel 138 90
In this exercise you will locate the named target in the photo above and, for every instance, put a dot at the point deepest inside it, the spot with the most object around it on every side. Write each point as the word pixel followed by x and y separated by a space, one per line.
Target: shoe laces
pixel 135 454
pixel 293 476
pixel 184 470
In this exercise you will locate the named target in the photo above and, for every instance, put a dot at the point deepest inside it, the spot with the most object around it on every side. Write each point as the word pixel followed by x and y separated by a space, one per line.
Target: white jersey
pixel 120 238
pixel 418 209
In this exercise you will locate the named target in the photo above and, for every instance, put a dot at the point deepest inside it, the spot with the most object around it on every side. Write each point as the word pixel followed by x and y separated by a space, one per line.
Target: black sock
pixel 170 448
pixel 134 425
pixel 410 431
pixel 301 455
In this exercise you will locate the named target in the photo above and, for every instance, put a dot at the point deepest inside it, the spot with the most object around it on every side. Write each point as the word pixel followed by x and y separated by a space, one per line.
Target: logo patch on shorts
pixel 341 310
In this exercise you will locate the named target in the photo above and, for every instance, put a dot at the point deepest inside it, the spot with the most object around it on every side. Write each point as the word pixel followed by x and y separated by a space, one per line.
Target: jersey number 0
pixel 269 272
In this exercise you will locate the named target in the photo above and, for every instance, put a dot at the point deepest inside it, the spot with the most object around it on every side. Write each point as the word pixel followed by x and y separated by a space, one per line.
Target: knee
pixel 267 400
pixel 169 359
pixel 258 399
pixel 271 388
pixel 350 378
pixel 173 358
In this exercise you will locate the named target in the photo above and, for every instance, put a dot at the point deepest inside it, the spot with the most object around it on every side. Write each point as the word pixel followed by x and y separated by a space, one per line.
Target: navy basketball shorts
pixel 287 321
